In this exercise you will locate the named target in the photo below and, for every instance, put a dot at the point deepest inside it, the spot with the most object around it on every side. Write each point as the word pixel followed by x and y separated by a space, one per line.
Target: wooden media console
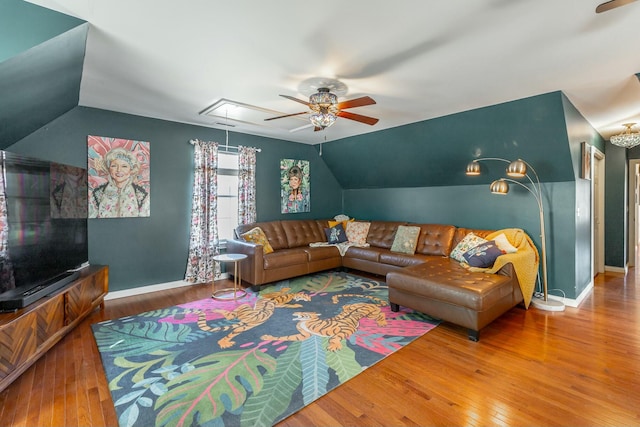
pixel 27 334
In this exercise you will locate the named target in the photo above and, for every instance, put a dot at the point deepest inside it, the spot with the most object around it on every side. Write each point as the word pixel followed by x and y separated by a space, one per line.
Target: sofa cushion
pixel 406 239
pixel 435 239
pixel 302 232
pixel 382 233
pixel 335 234
pixel 285 258
pixel 443 279
pixel 469 241
pixel 257 236
pixel 357 232
pixel 483 255
pixel 368 254
pixel 401 260
pixel 317 253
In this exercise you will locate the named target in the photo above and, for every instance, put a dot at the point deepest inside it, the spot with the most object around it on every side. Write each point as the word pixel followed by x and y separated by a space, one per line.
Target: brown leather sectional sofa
pixel 428 281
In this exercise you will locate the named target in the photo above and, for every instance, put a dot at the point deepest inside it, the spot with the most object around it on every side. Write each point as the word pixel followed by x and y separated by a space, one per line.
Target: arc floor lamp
pixel 520 169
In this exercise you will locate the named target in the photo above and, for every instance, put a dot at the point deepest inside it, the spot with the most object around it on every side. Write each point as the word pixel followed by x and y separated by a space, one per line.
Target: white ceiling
pixel 419 59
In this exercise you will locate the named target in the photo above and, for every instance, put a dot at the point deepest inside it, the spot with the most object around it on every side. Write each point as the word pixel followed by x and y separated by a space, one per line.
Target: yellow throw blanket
pixel 525 261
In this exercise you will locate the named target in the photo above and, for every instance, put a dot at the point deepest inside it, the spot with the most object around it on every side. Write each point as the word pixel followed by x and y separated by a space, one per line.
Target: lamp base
pixel 548 305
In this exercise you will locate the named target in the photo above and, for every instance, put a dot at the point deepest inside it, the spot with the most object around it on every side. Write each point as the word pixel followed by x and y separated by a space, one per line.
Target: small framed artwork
pixel 586 161
pixel 294 183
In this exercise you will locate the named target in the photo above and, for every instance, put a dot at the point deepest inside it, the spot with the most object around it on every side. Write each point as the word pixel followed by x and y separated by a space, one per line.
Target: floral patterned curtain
pixel 246 185
pixel 203 238
pixel 6 268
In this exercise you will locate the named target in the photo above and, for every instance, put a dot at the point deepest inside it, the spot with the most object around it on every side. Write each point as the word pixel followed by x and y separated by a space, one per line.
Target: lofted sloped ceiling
pixel 41 60
pixel 419 60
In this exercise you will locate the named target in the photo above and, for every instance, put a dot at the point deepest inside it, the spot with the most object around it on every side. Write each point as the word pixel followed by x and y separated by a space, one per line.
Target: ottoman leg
pixel 394 307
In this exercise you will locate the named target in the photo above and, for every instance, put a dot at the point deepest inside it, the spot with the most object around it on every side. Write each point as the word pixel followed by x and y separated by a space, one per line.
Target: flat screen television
pixel 43 227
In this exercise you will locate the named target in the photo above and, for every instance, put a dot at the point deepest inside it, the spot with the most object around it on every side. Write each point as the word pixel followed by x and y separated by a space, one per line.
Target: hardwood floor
pixel 580 367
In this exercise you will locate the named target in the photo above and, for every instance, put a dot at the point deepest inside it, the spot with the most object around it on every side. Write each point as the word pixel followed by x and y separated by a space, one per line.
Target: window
pixel 227 195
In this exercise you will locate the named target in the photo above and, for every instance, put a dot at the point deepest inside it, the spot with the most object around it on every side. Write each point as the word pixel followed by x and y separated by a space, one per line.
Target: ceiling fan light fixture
pixel 322 120
pixel 324 105
pixel 323 98
pixel 626 139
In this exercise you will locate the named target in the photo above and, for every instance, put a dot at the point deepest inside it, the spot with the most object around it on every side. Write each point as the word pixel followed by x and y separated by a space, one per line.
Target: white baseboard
pixel 570 302
pixel 613 269
pixel 152 288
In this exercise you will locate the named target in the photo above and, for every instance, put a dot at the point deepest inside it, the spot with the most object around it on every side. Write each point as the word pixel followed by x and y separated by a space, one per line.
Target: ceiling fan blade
pixel 358 102
pixel 295 99
pixel 608 5
pixel 357 117
pixel 286 115
pixel 300 128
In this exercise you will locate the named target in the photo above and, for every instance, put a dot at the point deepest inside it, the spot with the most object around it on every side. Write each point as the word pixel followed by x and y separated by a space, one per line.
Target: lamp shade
pixel 473 169
pixel 517 169
pixel 499 186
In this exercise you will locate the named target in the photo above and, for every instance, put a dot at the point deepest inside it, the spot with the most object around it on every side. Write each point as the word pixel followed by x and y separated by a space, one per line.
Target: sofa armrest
pixel 252 269
pixel 507 270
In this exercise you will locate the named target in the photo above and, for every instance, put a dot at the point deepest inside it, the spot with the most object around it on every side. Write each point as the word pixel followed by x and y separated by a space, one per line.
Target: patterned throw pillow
pixel 406 239
pixel 503 243
pixel 357 232
pixel 336 234
pixel 483 255
pixel 257 236
pixel 469 241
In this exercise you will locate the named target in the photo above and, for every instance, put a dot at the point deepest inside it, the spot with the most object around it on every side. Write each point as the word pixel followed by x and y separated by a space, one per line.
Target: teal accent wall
pixel 616 206
pixel 427 162
pixel 474 206
pixel 25 25
pixel 144 251
pixel 579 130
pixel 436 152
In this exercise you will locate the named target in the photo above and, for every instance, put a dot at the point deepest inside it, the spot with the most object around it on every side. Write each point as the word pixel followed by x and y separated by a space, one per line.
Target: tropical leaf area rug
pixel 254 361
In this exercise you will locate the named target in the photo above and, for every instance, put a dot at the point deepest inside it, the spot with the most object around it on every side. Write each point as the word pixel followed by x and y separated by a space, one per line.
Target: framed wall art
pixel 118 176
pixel 294 183
pixel 586 161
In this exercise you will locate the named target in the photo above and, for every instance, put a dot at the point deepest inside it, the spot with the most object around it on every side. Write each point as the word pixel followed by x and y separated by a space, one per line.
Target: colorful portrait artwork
pixel 294 184
pixel 118 178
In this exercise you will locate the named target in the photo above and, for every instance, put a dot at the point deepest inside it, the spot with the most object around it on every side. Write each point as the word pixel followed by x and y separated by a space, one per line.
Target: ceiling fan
pixel 612 4
pixel 325 108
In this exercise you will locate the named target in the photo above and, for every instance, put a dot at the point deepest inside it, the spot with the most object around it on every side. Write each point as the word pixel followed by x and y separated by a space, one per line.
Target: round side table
pixel 237 280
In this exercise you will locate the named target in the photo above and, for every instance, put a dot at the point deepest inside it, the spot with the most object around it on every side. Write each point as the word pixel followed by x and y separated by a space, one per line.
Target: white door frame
pixel 597 213
pixel 634 167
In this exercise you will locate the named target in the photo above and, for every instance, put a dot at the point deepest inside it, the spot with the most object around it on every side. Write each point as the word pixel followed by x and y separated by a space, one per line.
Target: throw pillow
pixel 469 241
pixel 483 255
pixel 257 236
pixel 357 232
pixel 406 239
pixel 503 243
pixel 336 234
pixel 344 223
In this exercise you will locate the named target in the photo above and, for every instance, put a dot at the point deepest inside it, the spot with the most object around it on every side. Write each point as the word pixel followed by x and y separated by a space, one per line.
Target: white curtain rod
pixel 225 147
